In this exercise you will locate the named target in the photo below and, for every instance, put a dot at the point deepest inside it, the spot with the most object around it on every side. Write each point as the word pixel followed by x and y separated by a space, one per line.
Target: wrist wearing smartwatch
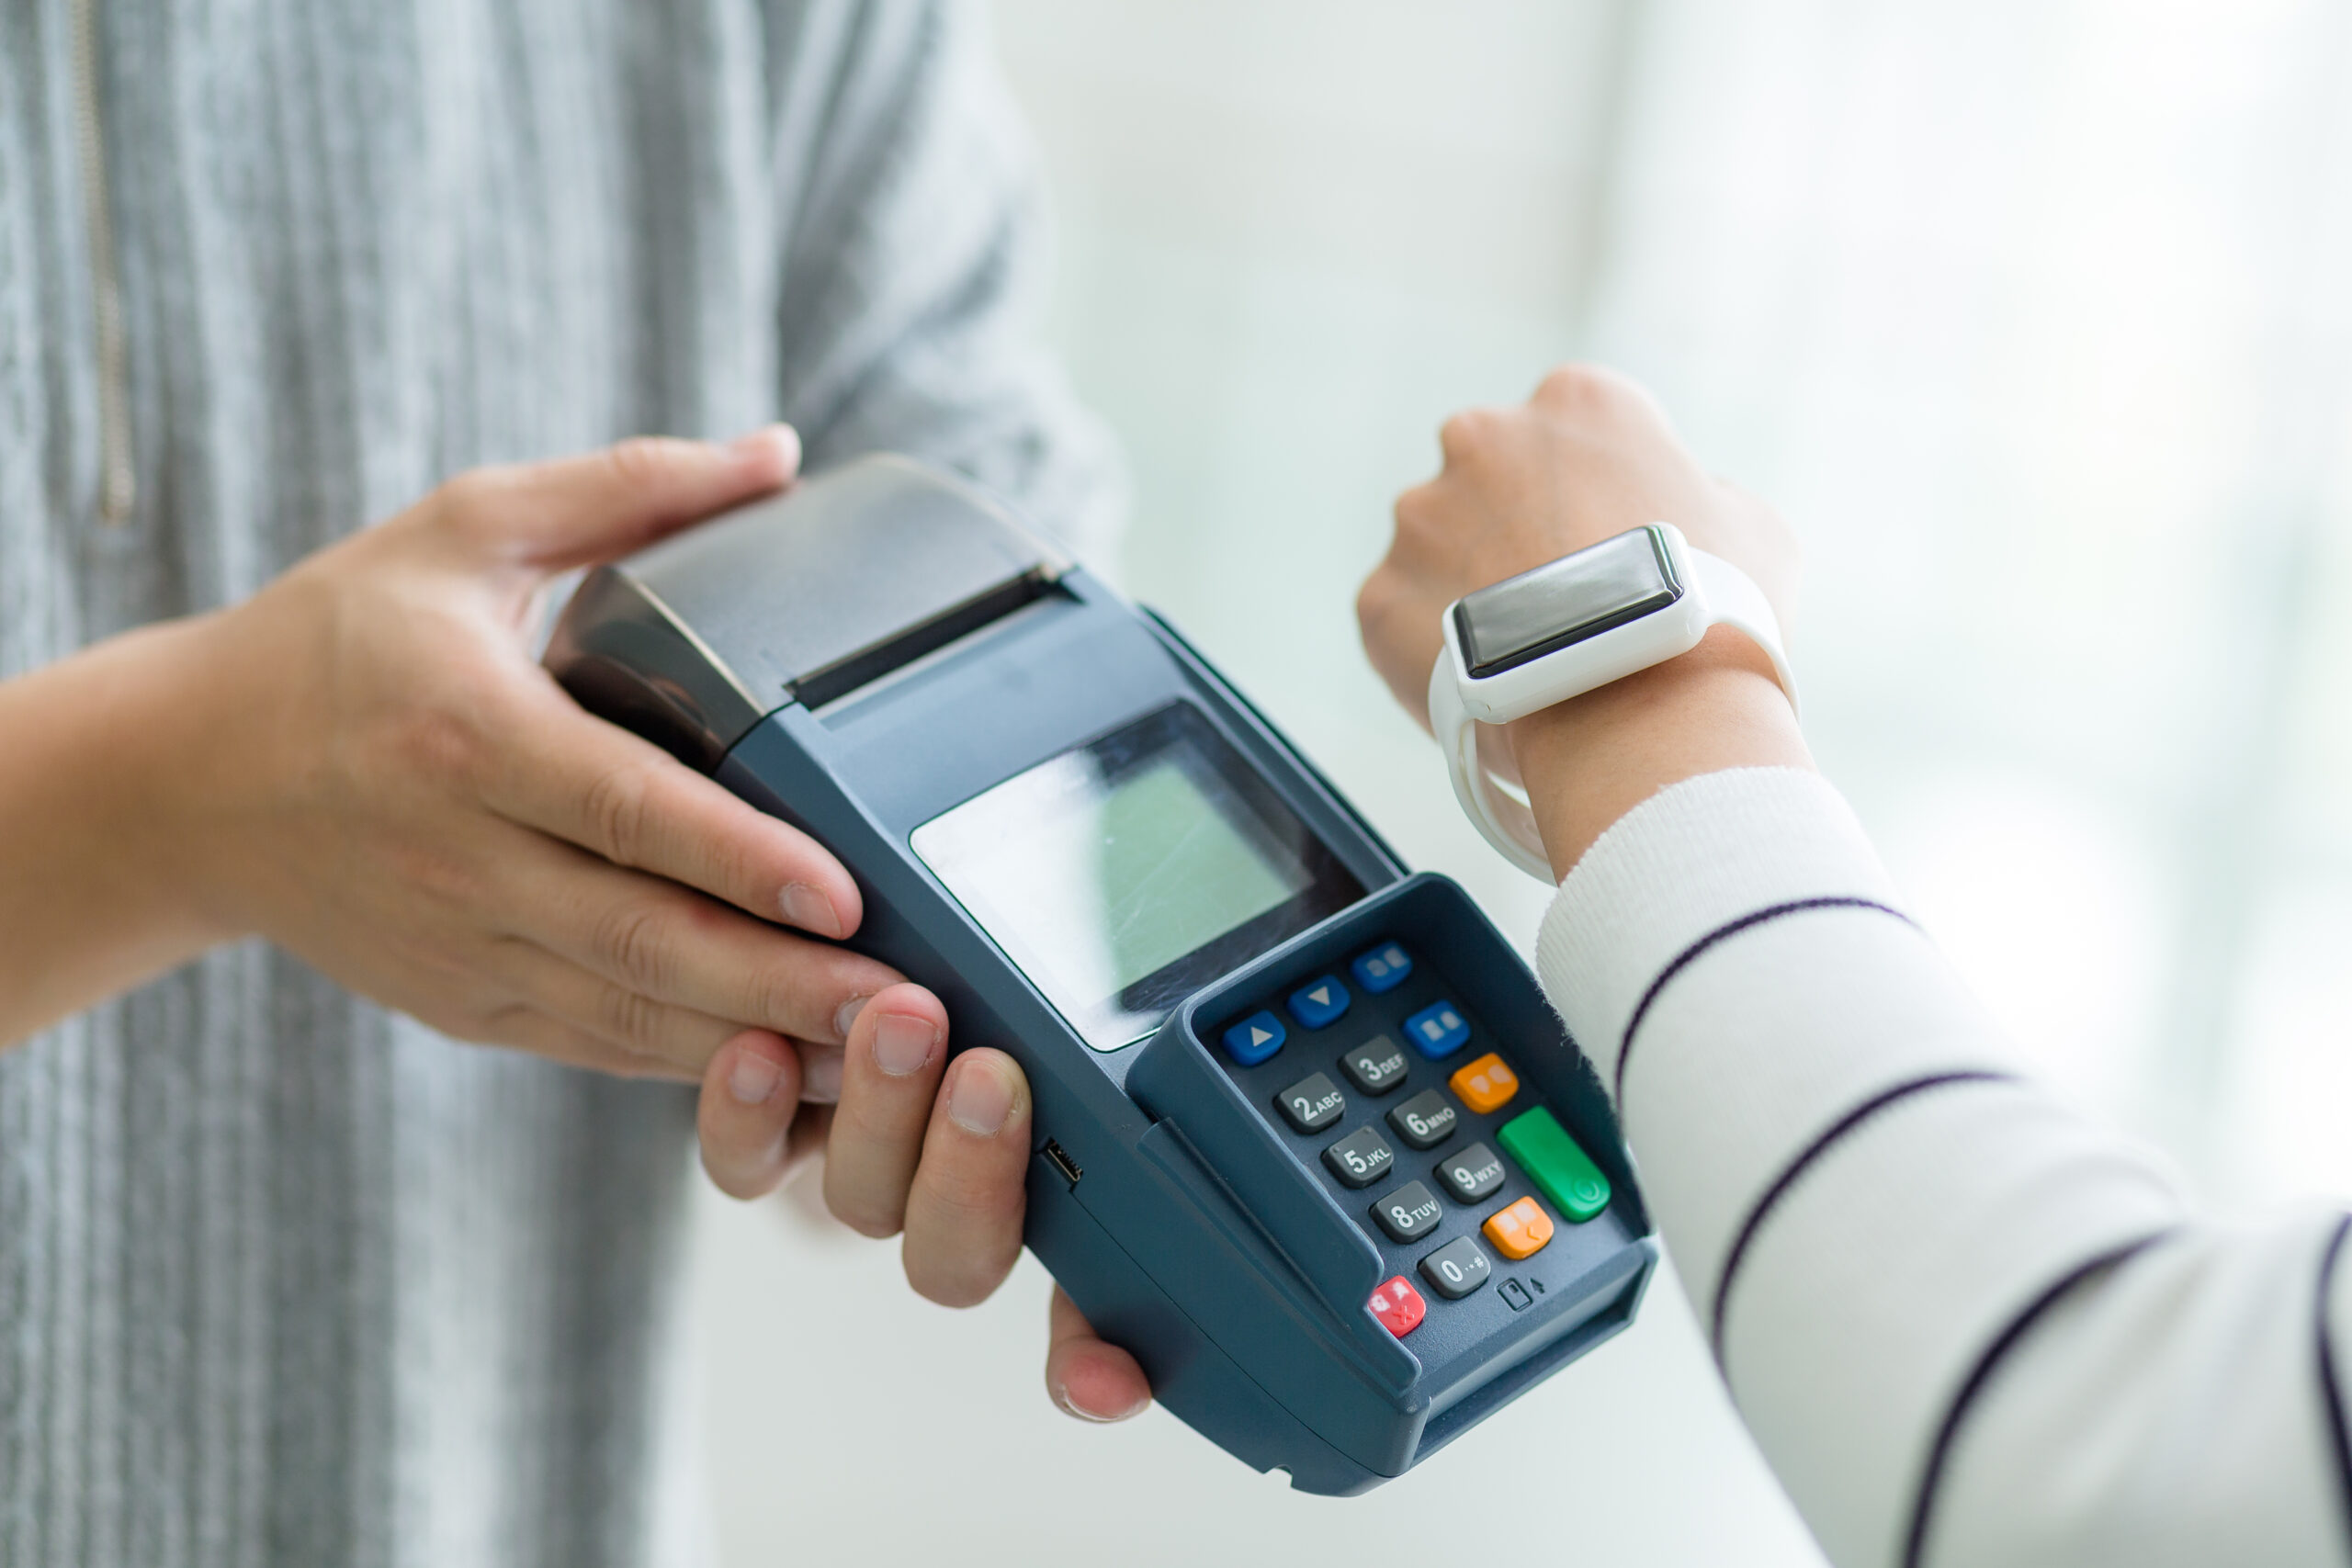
pixel 1570 627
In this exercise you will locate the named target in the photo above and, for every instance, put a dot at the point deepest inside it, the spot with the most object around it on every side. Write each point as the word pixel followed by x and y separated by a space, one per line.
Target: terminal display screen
pixel 1125 873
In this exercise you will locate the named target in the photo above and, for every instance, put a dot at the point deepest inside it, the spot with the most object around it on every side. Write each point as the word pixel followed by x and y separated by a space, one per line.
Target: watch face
pixel 1564 602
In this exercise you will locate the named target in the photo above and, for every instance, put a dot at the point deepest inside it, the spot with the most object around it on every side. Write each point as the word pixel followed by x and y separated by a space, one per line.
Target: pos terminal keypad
pixel 1422 1172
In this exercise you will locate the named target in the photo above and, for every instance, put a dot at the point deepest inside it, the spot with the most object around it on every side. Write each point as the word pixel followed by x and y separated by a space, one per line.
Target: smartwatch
pixel 1568 627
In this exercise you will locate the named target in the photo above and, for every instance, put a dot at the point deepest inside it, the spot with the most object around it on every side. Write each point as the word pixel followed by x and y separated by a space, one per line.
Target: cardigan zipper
pixel 118 471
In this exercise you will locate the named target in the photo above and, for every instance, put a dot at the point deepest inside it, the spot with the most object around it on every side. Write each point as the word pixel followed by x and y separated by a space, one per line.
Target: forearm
pixel 1966 1324
pixel 1589 760
pixel 95 892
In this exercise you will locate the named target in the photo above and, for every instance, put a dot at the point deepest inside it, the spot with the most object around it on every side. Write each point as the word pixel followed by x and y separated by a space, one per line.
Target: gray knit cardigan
pixel 283 1278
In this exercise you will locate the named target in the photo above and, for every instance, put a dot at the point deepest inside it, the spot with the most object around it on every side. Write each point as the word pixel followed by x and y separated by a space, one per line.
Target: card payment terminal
pixel 1310 1143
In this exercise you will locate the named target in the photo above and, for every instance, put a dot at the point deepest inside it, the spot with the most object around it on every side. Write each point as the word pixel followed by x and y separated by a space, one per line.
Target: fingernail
pixel 847 1014
pixel 820 1074
pixel 780 438
pixel 810 911
pixel 902 1044
pixel 981 1098
pixel 753 1077
pixel 1072 1407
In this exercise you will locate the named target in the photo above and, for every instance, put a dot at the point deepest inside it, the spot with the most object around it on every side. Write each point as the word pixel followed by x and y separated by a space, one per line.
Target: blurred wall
pixel 2031 314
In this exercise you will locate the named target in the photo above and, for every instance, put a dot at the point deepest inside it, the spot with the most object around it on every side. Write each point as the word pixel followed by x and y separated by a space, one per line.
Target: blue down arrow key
pixel 1319 1002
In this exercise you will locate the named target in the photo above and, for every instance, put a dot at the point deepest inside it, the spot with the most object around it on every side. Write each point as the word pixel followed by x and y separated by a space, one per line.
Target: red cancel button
pixel 1399 1305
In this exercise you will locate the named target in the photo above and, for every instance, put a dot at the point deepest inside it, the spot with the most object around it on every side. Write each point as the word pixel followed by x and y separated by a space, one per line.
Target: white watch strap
pixel 1729 597
pixel 1504 823
pixel 1735 601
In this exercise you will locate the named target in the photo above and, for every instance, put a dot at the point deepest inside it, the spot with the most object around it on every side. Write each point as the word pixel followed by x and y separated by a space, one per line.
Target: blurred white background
pixel 2034 315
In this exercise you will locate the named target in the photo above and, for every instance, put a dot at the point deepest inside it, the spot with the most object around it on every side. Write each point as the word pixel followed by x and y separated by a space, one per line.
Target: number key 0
pixel 1456 1268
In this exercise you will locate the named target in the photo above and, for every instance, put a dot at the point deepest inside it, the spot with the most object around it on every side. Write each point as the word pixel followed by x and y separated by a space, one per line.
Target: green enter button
pixel 1553 1161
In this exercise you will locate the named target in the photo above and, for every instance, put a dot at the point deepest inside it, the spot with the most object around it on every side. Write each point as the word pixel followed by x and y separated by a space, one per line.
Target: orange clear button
pixel 1519 1231
pixel 1485 1085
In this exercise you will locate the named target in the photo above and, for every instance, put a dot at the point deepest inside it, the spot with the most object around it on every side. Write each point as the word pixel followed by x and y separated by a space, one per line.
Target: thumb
pixel 1089 1378
pixel 573 512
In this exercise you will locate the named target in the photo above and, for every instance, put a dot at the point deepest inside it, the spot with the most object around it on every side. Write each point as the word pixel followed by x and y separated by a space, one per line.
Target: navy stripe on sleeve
pixel 1812 1154
pixel 1746 923
pixel 1939 1452
pixel 2331 1387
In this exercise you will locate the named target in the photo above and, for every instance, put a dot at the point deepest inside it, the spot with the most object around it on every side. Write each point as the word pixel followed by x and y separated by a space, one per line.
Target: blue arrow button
pixel 1437 1031
pixel 1384 968
pixel 1254 1039
pixel 1319 1002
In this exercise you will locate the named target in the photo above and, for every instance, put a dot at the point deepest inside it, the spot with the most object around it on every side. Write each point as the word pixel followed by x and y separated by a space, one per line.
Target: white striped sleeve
pixel 1966 1324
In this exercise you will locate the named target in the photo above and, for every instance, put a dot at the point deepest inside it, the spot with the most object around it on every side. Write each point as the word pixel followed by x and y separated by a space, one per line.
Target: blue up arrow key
pixel 1254 1039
